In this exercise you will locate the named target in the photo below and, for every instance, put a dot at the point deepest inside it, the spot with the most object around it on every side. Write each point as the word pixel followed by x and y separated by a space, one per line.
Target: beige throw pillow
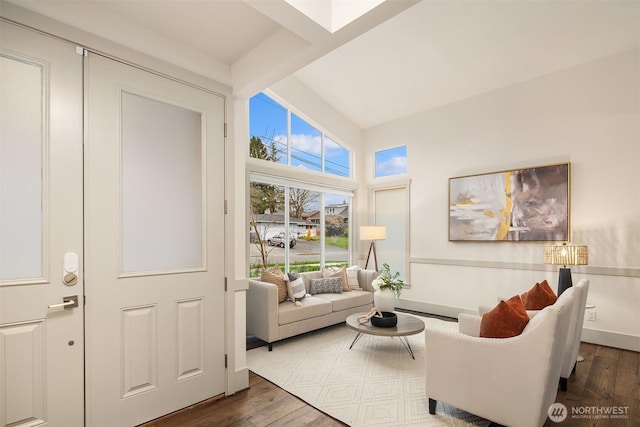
pixel 352 277
pixel 275 276
pixel 337 272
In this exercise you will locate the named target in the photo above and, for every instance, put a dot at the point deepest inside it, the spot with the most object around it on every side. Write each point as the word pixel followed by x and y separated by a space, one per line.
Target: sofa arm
pixel 262 310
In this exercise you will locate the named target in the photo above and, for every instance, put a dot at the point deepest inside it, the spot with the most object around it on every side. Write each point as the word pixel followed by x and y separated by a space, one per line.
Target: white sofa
pixel 271 322
pixel 510 381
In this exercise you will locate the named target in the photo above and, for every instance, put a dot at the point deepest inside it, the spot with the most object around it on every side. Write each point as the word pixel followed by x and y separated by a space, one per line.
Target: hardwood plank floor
pixel 607 378
pixel 262 404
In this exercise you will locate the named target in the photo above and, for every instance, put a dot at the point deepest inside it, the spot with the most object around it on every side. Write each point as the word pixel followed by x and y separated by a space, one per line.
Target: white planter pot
pixel 385 300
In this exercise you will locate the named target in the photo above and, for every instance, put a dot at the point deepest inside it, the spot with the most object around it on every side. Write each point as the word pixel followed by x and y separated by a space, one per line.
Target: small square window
pixel 392 161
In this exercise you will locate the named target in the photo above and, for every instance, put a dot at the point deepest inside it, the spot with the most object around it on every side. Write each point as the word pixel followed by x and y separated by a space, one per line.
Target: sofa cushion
pixel 275 276
pixel 508 319
pixel 338 272
pixel 327 285
pixel 309 307
pixel 539 296
pixel 348 300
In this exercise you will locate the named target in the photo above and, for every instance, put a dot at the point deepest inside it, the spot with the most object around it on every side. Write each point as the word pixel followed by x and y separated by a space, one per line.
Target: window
pixel 268 129
pixel 296 226
pixel 279 135
pixel 392 161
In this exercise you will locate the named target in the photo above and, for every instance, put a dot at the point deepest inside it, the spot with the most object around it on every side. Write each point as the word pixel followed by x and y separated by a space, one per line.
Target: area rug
pixel 376 383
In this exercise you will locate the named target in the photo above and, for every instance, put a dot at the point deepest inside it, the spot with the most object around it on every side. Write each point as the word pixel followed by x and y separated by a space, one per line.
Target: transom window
pixel 392 161
pixel 279 135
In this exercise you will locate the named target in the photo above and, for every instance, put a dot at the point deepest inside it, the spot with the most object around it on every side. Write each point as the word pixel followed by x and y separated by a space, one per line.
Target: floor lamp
pixel 373 233
pixel 565 255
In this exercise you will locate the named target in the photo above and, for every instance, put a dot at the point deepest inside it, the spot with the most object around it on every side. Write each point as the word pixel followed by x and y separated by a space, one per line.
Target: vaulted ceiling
pixel 401 57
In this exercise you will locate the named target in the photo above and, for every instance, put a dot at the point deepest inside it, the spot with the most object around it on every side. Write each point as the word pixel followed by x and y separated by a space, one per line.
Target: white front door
pixel 154 227
pixel 41 341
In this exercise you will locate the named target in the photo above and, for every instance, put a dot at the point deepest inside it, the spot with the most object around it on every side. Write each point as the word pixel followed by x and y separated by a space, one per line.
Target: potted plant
pixel 387 288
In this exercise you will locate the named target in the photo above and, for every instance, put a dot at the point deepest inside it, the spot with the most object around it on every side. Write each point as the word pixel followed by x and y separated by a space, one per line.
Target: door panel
pixel 41 343
pixel 154 220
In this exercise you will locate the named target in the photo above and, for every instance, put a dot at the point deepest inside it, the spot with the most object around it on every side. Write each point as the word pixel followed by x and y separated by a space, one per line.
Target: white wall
pixel 587 115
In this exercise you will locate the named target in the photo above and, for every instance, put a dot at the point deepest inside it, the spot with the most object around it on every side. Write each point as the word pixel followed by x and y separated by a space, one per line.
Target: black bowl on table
pixel 388 320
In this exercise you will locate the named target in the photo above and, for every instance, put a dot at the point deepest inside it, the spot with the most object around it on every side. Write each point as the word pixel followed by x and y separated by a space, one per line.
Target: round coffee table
pixel 407 325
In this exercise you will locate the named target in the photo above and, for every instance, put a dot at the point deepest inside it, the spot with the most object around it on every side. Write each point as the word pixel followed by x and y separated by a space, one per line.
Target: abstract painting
pixel 517 205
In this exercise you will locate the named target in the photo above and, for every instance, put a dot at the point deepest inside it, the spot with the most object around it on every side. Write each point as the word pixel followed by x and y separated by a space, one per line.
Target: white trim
pixel 581 269
pixel 300 182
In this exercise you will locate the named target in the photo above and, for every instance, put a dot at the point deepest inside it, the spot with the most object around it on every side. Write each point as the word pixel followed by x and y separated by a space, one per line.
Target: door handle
pixel 67 302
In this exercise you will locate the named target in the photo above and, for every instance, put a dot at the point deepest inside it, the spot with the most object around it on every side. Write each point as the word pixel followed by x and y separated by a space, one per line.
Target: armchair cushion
pixel 539 296
pixel 508 319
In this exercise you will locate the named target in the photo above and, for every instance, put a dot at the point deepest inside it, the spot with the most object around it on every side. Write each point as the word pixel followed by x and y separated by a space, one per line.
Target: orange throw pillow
pixel 538 297
pixel 506 320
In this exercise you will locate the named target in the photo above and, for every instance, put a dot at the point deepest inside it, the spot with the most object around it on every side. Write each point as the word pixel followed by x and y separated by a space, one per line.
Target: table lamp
pixel 373 233
pixel 565 255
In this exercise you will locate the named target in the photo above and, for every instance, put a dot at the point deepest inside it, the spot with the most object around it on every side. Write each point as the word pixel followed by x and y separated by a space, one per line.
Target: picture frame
pixel 528 204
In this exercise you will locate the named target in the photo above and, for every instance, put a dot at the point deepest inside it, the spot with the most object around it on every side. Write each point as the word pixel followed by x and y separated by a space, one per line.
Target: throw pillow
pixel 538 297
pixel 275 276
pixel 295 287
pixel 506 320
pixel 327 285
pixel 337 272
pixel 352 277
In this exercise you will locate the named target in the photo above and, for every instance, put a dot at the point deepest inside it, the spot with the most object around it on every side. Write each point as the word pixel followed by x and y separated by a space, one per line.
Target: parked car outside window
pixel 279 240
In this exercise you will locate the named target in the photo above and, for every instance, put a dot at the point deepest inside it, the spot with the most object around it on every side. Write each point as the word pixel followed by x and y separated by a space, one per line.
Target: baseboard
pixel 425 307
pixel 593 336
pixel 241 379
pixel 611 339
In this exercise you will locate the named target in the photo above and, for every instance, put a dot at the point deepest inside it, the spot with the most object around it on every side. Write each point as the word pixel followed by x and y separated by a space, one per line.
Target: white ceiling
pixel 403 57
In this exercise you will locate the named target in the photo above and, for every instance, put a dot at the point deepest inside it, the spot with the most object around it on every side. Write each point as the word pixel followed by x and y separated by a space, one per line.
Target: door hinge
pixel 81 51
pixel 225 130
pixel 225 207
pixel 225 284
pixel 225 361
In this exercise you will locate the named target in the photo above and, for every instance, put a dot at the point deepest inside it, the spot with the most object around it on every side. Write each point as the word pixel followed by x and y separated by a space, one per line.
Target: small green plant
pixel 388 280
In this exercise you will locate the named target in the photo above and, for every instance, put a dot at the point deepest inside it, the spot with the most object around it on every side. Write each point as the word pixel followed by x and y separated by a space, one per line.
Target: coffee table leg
pixel 355 340
pixel 405 342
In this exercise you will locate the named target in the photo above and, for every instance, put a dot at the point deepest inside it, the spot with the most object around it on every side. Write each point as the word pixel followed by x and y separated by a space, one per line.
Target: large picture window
pixel 279 135
pixel 297 227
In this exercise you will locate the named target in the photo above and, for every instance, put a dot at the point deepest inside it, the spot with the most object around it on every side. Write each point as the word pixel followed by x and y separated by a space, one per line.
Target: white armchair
pixel 510 381
pixel 574 334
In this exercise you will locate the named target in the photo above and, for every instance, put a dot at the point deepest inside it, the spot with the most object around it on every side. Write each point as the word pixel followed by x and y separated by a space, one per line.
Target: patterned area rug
pixel 376 383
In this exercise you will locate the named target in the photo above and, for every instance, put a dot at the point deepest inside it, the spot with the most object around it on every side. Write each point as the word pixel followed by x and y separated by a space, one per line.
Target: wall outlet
pixel 591 315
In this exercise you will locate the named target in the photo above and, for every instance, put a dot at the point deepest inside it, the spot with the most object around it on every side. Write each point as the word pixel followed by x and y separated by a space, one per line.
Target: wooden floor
pixel 607 378
pixel 263 404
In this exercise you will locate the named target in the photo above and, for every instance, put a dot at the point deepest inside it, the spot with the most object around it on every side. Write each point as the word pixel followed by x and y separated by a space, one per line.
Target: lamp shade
pixel 373 232
pixel 566 255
